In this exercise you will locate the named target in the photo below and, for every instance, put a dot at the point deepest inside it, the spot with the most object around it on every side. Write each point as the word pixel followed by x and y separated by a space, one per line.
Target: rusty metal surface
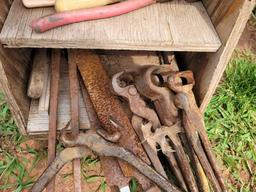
pixel 137 124
pixel 54 92
pixel 99 145
pixel 74 110
pixel 107 107
pixel 136 103
pixel 55 166
pixel 159 134
pixel 163 136
pixel 104 148
pixel 150 81
pixel 163 99
pixel 112 171
pixel 194 127
pixel 202 181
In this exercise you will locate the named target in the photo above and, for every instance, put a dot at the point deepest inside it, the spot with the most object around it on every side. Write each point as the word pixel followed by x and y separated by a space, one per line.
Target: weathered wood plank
pixel 44 100
pixel 14 67
pixel 172 26
pixel 229 19
pixel 39 74
pixel 38 122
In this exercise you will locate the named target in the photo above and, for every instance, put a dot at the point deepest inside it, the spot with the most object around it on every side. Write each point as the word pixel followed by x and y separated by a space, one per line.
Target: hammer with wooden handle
pixel 67 5
pixel 38 3
pixel 56 20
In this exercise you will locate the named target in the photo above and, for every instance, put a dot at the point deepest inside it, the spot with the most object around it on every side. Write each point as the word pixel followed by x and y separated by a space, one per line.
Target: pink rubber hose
pixel 56 20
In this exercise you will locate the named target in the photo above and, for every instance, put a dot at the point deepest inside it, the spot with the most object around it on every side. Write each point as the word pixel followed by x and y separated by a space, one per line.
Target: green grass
pixel 231 122
pixel 14 168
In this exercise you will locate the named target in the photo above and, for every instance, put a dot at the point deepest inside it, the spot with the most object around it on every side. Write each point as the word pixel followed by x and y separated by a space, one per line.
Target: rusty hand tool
pixel 203 184
pixel 108 108
pixel 38 3
pixel 167 136
pixel 137 123
pixel 74 110
pixel 164 73
pixel 139 108
pixel 142 112
pixel 136 103
pixel 112 171
pixel 54 93
pixel 55 166
pixel 102 147
pixel 146 80
pixel 194 126
pixel 163 99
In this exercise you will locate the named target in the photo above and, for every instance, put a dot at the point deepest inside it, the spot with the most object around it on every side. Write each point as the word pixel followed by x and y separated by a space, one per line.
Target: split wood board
pixel 38 122
pixel 172 26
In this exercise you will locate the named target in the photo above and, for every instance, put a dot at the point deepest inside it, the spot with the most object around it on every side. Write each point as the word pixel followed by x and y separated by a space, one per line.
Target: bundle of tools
pixel 84 10
pixel 164 137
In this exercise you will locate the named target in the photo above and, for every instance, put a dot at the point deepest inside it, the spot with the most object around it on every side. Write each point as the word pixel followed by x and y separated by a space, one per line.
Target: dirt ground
pixel 92 177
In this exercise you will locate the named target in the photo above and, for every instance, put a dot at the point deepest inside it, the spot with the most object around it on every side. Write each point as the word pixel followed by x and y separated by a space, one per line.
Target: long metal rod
pixel 55 77
pixel 74 103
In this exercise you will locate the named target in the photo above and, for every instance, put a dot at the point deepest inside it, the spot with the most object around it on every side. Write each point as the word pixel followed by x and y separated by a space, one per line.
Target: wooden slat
pixel 38 121
pixel 39 74
pixel 14 67
pixel 173 26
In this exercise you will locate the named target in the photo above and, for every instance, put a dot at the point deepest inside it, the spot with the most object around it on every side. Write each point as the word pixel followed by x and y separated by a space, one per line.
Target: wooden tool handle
pixel 67 5
pixel 37 80
pixel 38 3
pixel 49 22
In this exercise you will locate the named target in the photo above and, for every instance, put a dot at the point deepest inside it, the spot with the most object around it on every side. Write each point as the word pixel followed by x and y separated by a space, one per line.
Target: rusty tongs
pixel 194 126
pixel 159 133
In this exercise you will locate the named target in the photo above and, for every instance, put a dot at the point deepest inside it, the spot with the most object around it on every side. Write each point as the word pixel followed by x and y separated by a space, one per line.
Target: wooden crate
pixel 203 35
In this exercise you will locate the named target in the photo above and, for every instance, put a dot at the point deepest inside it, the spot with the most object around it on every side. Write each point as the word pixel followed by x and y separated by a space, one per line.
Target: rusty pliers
pixel 140 111
pixel 194 126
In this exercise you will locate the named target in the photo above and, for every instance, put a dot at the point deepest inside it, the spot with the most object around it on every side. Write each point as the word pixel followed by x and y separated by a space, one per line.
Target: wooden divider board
pixel 172 26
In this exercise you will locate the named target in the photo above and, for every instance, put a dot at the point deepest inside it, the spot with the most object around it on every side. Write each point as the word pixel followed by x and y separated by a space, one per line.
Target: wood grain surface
pixel 14 70
pixel 38 120
pixel 173 26
pixel 229 19
pixel 38 75
pixel 38 3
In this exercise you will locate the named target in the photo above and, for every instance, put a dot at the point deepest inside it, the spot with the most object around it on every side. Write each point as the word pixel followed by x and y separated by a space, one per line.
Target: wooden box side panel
pixel 229 19
pixel 14 68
